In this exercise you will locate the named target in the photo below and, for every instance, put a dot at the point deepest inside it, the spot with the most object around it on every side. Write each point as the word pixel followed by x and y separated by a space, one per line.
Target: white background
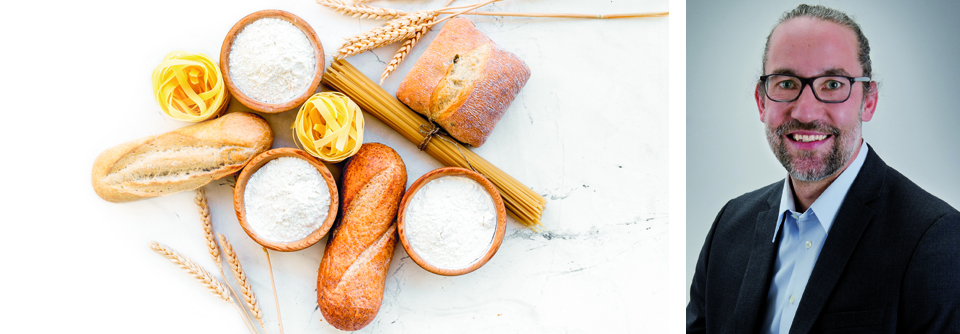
pixel 914 51
pixel 589 132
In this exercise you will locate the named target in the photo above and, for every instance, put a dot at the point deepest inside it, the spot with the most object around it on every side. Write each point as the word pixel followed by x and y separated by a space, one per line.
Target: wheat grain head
pixel 215 286
pixel 393 31
pixel 245 287
pixel 360 10
pixel 207 222
pixel 404 50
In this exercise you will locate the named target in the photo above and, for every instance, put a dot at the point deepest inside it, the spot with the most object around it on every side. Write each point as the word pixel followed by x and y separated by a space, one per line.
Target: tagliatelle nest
pixel 329 126
pixel 189 87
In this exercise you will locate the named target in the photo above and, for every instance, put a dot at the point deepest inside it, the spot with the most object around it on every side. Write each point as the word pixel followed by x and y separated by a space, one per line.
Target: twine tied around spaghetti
pixel 434 130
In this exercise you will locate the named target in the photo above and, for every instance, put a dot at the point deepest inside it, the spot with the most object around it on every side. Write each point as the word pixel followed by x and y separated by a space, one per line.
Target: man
pixel 844 244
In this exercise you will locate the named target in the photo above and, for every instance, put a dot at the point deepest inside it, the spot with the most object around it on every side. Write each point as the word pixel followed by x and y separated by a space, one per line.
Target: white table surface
pixel 588 132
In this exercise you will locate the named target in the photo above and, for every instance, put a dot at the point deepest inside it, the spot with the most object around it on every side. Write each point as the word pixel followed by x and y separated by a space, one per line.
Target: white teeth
pixel 808 138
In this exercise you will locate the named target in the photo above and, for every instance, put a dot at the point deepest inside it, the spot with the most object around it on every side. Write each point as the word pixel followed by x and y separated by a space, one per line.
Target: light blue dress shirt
pixel 803 236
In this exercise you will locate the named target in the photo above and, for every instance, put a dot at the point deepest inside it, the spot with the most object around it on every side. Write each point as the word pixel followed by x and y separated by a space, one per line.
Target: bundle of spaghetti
pixel 189 86
pixel 523 203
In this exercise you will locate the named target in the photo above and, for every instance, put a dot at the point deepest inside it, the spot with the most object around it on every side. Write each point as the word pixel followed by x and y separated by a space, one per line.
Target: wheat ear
pixel 394 31
pixel 212 247
pixel 198 272
pixel 404 50
pixel 207 222
pixel 406 46
pixel 195 270
pixel 358 9
pixel 248 294
pixel 572 16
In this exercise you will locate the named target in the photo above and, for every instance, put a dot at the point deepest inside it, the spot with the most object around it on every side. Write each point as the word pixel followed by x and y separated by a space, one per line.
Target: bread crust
pixel 184 159
pixel 360 248
pixel 480 104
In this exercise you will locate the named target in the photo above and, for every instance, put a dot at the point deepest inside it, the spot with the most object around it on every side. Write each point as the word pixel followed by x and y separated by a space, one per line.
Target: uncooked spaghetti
pixel 522 202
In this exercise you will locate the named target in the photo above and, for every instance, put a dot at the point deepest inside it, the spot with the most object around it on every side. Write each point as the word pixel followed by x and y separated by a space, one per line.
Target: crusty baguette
pixel 354 265
pixel 180 160
pixel 464 82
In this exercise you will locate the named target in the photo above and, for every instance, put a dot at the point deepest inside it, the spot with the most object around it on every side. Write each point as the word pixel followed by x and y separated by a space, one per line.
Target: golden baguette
pixel 354 264
pixel 180 160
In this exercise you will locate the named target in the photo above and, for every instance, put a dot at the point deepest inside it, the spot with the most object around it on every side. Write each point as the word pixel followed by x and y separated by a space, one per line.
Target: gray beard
pixel 806 166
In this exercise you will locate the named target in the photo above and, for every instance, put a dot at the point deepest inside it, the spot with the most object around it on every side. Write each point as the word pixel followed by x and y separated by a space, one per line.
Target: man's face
pixel 813 139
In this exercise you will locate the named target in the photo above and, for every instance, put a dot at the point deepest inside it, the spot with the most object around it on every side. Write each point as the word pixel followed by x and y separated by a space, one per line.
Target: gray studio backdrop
pixel 916 58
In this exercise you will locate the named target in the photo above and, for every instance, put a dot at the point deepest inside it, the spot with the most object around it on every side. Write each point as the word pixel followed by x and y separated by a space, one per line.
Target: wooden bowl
pixel 225 61
pixel 497 203
pixel 255 165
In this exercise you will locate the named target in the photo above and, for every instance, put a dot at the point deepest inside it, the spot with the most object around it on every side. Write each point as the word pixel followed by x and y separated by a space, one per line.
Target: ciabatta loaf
pixel 360 247
pixel 464 82
pixel 183 159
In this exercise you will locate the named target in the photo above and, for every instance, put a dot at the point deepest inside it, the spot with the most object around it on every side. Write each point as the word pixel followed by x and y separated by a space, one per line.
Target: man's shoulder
pixel 901 209
pixel 907 197
pixel 925 230
pixel 740 214
pixel 762 198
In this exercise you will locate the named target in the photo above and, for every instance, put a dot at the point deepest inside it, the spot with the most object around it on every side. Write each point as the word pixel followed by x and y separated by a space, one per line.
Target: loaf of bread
pixel 354 265
pixel 463 82
pixel 183 159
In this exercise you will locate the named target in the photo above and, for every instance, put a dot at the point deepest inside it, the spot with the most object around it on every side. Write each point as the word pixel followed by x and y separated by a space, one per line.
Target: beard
pixel 812 165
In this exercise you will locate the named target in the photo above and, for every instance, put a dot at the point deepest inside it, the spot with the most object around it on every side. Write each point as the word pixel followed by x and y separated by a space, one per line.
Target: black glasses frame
pixel 804 82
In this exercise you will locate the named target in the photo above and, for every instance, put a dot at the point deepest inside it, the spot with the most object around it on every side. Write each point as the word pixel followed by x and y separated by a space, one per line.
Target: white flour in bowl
pixel 450 222
pixel 286 200
pixel 272 61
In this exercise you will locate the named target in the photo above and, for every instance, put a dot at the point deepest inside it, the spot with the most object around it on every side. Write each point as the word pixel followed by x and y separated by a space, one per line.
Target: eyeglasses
pixel 826 88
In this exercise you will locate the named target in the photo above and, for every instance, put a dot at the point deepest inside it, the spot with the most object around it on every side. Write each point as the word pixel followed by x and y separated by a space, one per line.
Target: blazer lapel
pixel 751 302
pixel 851 220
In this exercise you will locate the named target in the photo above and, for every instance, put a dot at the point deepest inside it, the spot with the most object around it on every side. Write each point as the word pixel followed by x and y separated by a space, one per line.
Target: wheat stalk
pixel 212 247
pixel 358 9
pixel 465 9
pixel 406 47
pixel 276 300
pixel 399 29
pixel 571 16
pixel 195 270
pixel 248 294
pixel 409 27
pixel 207 222
pixel 394 31
pixel 198 272
pixel 404 50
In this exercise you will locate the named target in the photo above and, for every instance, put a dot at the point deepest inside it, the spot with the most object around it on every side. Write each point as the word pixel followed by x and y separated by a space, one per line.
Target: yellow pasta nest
pixel 189 87
pixel 330 126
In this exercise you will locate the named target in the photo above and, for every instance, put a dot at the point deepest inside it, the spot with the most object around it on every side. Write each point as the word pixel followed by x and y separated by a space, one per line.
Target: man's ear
pixel 870 102
pixel 758 95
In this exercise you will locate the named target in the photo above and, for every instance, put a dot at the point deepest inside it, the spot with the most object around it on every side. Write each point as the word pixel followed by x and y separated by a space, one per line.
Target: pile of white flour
pixel 286 200
pixel 272 61
pixel 450 222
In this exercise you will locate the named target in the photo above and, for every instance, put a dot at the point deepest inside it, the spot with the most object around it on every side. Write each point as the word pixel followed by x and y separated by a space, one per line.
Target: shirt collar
pixel 827 205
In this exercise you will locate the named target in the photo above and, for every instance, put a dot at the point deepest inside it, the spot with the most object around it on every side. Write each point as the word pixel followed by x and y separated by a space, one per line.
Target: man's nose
pixel 807 108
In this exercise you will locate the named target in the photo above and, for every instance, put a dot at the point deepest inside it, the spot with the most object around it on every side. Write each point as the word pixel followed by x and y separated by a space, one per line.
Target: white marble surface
pixel 588 132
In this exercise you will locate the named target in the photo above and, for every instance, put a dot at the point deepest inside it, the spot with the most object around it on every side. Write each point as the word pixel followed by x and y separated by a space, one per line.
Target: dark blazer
pixel 890 263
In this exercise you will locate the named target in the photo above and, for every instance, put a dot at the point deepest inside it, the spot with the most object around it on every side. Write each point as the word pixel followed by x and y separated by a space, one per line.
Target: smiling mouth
pixel 806 138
